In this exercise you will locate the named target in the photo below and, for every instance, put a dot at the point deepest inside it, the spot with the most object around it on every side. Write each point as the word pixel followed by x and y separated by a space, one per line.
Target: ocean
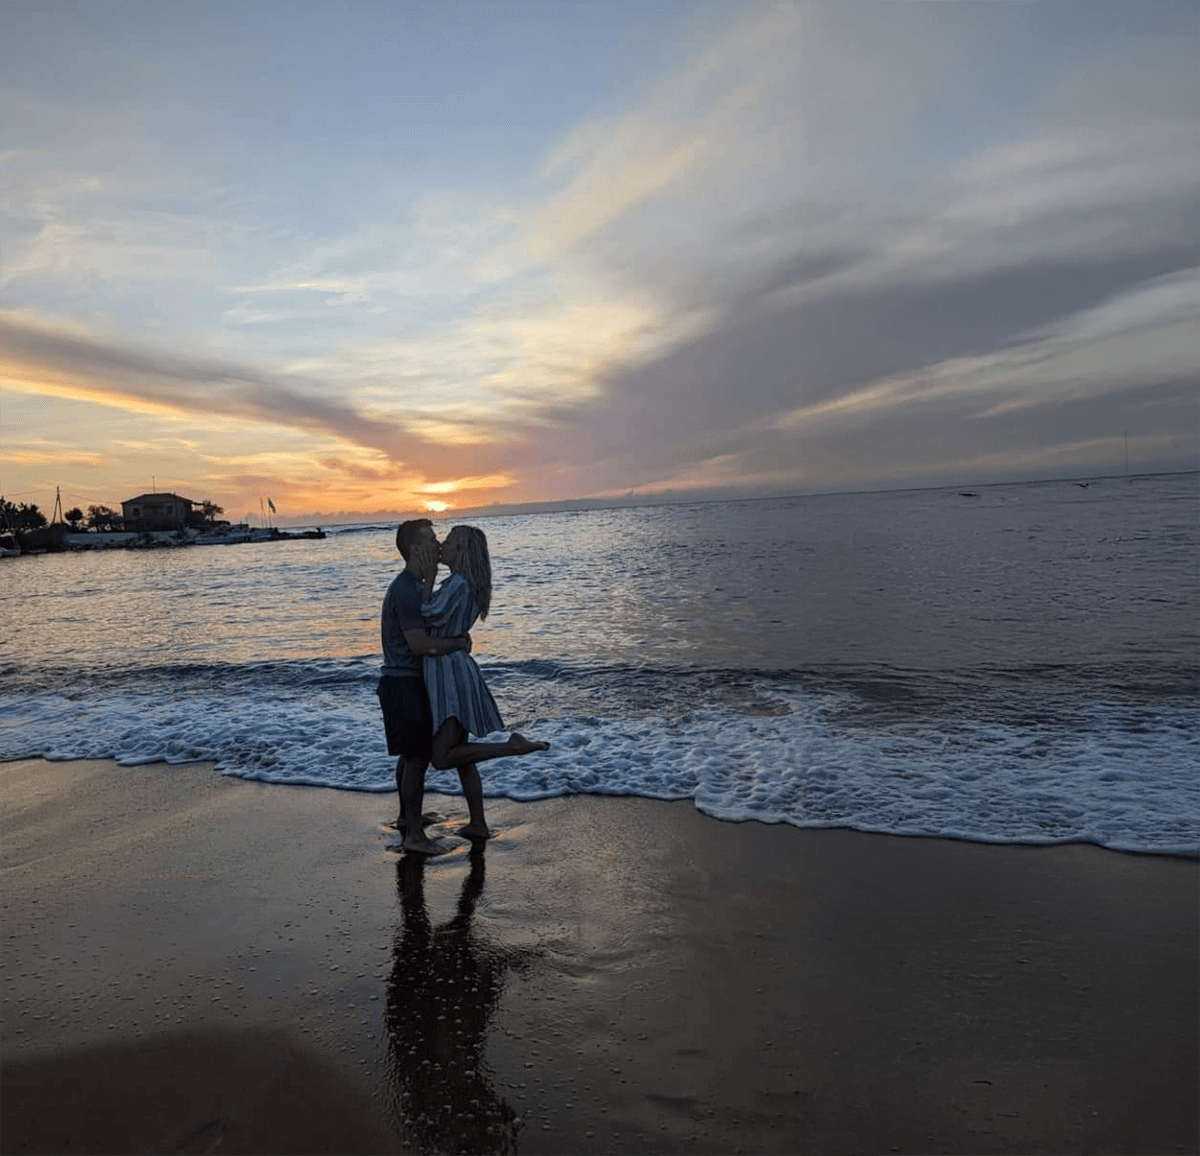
pixel 1010 664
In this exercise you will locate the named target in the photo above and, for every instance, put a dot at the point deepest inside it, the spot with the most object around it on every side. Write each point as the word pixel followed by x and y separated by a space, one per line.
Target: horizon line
pixel 660 498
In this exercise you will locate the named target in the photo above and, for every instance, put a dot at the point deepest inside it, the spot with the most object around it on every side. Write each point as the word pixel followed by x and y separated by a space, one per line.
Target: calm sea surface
pixel 1017 666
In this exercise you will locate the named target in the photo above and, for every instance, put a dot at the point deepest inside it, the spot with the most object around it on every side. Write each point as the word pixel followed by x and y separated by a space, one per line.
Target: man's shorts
pixel 407 718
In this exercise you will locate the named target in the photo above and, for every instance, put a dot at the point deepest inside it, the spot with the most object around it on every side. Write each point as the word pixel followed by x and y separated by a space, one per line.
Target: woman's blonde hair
pixel 474 564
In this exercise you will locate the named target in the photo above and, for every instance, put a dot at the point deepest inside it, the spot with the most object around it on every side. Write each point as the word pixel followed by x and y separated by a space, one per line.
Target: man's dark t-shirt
pixel 401 612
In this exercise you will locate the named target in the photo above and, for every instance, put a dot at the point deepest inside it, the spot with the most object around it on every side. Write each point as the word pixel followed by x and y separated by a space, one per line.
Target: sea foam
pixel 1122 777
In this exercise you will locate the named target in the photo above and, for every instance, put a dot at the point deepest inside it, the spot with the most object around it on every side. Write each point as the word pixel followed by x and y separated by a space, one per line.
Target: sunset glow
pixel 520 254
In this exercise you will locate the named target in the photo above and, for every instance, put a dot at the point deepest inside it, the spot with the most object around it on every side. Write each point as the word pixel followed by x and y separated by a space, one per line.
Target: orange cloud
pixel 59 456
pixel 490 482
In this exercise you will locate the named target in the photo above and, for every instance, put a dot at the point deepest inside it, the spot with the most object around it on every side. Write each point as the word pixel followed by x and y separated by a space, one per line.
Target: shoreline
pixel 60 539
pixel 1186 856
pixel 607 975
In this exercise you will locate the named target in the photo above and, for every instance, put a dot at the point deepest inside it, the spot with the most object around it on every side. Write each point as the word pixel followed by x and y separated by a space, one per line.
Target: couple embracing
pixel 431 691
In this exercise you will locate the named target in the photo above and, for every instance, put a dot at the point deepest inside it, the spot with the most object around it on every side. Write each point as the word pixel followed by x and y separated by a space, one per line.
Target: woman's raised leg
pixel 451 748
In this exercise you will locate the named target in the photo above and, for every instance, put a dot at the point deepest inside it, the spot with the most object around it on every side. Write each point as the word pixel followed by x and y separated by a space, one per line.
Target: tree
pixel 102 518
pixel 22 517
pixel 205 515
pixel 74 517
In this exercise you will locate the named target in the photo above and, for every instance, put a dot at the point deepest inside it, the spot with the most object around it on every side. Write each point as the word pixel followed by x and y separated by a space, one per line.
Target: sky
pixel 375 258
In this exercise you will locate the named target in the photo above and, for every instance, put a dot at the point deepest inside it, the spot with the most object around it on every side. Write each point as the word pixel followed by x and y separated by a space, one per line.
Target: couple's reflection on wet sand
pixel 445 985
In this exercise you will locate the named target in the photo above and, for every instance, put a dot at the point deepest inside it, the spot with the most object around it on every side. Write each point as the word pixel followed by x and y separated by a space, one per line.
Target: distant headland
pixel 146 522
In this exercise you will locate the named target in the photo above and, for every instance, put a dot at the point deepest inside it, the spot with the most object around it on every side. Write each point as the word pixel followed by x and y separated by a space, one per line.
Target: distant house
pixel 156 512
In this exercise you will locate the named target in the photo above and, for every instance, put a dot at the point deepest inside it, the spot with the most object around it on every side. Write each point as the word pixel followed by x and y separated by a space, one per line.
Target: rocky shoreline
pixel 59 539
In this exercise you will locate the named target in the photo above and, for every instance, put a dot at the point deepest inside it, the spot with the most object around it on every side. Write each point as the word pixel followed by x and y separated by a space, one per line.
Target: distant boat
pixel 225 537
pixel 967 494
pixel 9 546
pixel 242 533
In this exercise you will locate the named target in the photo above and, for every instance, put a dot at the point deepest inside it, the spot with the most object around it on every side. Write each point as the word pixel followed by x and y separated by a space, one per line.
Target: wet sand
pixel 199 964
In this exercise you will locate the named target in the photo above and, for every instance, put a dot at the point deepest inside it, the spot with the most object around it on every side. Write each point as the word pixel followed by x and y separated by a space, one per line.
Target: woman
pixel 460 701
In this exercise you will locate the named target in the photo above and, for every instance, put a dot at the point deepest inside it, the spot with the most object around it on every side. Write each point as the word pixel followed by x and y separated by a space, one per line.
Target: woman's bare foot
pixel 520 745
pixel 475 831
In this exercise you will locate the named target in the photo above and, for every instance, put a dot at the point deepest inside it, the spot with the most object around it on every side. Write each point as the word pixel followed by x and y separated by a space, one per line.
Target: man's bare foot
pixel 520 745
pixel 420 845
pixel 475 831
pixel 401 823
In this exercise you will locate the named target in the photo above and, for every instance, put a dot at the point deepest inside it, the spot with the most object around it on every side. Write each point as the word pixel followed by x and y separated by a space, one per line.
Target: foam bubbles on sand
pixel 1119 776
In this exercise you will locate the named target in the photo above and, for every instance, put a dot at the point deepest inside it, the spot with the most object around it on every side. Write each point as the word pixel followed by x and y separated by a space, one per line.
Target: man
pixel 402 698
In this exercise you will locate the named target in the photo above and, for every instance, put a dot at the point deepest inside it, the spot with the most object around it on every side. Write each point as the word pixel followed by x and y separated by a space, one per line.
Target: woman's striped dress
pixel 454 681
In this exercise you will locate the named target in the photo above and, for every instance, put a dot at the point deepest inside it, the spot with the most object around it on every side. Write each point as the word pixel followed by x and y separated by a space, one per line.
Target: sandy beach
pixel 200 964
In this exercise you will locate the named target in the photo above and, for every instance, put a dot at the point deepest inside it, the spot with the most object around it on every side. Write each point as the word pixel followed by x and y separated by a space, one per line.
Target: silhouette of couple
pixel 431 690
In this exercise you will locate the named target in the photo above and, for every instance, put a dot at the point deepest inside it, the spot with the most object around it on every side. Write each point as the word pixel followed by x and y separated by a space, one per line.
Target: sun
pixel 437 507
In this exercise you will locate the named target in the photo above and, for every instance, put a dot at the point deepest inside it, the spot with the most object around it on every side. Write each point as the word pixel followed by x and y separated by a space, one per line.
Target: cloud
pixel 158 445
pixel 829 227
pixel 359 470
pixel 697 333
pixel 1140 337
pixel 42 360
pixel 66 363
pixel 454 485
pixel 696 118
pixel 506 297
pixel 855 354
pixel 59 454
pixel 79 228
pixel 1052 267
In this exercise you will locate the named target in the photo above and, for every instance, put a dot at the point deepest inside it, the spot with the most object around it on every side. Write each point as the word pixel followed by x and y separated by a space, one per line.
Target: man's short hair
pixel 408 533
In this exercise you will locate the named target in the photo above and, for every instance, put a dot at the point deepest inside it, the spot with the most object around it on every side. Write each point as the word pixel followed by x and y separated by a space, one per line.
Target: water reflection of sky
pixel 918 579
